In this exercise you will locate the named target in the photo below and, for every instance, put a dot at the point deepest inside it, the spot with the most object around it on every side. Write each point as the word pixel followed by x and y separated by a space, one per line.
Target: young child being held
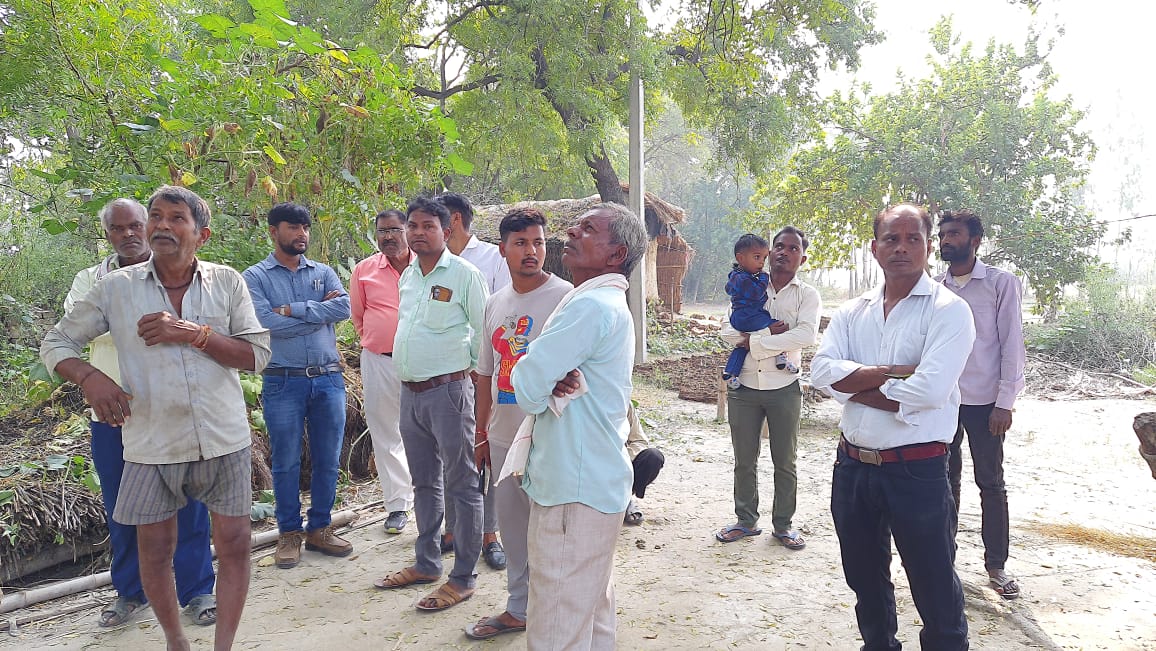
pixel 747 287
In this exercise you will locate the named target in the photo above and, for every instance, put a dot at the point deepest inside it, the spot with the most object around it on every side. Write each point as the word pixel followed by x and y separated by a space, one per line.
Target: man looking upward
pixel 182 327
pixel 578 475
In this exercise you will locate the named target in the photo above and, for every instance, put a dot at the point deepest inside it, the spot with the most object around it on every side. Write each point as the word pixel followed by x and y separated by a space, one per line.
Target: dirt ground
pixel 1067 463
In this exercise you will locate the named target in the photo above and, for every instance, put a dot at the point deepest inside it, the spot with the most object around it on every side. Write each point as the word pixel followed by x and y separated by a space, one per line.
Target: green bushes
pixel 1108 326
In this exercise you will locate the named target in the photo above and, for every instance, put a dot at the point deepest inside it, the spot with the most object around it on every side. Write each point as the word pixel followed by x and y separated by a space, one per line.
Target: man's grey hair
pixel 105 214
pixel 625 229
pixel 176 194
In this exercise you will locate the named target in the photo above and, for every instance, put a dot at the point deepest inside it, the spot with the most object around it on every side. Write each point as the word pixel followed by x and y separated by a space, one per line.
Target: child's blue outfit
pixel 749 313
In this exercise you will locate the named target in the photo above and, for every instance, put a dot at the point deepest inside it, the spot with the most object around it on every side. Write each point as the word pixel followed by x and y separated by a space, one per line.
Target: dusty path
pixel 1069 462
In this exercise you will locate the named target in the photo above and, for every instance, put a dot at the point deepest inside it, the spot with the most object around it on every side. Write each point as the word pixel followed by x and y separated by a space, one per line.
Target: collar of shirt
pixel 443 262
pixel 383 262
pixel 978 272
pixel 923 287
pixel 271 261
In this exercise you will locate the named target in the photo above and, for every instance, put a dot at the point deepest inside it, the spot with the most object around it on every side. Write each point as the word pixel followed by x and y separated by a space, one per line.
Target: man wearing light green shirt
pixel 442 306
pixel 578 475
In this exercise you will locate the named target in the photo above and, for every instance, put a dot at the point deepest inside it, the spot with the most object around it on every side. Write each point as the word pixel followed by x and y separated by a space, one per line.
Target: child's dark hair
pixel 750 241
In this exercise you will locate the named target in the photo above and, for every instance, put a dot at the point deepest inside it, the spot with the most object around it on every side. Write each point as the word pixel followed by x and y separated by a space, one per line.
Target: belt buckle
pixel 309 371
pixel 870 456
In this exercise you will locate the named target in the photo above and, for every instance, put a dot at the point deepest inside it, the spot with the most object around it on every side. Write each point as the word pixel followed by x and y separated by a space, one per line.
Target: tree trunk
pixel 605 178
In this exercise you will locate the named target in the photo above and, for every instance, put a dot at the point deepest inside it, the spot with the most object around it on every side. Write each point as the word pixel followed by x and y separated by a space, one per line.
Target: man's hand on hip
pixel 164 328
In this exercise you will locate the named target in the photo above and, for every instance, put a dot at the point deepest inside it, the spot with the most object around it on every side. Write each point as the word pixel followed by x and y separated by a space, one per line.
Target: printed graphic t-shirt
pixel 512 321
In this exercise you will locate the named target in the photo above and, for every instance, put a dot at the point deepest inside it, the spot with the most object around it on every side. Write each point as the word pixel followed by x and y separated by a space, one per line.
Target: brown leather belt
pixel 435 381
pixel 917 452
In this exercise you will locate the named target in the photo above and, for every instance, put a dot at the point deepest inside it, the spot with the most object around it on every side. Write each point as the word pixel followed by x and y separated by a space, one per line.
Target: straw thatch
pixel 562 213
pixel 660 219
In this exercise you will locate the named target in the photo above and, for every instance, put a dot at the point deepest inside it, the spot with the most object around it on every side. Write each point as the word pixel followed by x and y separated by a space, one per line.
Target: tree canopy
pixel 544 82
pixel 112 99
pixel 982 132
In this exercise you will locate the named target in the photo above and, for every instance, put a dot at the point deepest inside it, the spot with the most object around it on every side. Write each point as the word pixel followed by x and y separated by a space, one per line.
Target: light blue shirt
pixel 581 456
pixel 440 317
pixel 307 337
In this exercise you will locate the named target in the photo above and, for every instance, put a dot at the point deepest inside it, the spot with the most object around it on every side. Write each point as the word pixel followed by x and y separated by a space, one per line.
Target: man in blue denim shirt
pixel 299 300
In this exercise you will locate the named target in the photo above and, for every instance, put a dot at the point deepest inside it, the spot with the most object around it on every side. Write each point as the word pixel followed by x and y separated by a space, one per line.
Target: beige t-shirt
pixel 512 321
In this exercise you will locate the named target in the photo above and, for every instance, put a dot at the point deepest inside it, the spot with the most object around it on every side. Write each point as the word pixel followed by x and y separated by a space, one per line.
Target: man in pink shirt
pixel 992 379
pixel 373 302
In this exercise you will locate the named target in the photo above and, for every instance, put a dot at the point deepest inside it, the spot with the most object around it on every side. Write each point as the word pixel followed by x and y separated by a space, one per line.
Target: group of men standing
pixel 431 336
pixel 918 364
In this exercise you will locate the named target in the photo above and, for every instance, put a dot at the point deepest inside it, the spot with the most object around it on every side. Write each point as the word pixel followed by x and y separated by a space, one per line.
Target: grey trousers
pixel 437 428
pixel 780 408
pixel 514 509
pixel 490 515
pixel 572 578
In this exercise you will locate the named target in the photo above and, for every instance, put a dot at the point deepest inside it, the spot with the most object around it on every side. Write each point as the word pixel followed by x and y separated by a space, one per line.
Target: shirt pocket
pixel 442 316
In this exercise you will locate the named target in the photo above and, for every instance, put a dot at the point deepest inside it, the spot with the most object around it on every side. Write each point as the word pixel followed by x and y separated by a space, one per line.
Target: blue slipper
pixel 790 539
pixel 735 532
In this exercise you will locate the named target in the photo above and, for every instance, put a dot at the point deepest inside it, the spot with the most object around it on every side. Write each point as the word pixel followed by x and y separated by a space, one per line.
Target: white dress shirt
pixel 797 304
pixel 488 259
pixel 931 328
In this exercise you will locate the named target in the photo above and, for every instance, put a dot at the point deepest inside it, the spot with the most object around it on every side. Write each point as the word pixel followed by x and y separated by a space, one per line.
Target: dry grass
pixel 1114 543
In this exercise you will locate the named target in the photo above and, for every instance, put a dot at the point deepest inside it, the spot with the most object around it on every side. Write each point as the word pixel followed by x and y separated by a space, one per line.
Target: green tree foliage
pixel 981 132
pixel 681 168
pixel 545 82
pixel 113 98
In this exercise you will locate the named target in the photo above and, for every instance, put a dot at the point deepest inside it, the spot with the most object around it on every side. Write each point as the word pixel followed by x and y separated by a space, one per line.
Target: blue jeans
pixel 911 501
pixel 290 403
pixel 192 561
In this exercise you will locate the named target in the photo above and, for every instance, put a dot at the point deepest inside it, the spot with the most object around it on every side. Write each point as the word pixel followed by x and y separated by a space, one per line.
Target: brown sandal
pixel 445 596
pixel 402 579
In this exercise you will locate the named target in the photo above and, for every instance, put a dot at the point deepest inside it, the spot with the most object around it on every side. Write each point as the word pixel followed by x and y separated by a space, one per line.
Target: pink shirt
pixel 373 302
pixel 995 369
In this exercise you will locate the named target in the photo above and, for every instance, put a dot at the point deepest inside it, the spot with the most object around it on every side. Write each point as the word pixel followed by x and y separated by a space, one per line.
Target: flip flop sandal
pixel 790 539
pixel 203 609
pixel 402 579
pixel 736 532
pixel 119 612
pixel 1005 586
pixel 633 515
pixel 446 596
pixel 497 628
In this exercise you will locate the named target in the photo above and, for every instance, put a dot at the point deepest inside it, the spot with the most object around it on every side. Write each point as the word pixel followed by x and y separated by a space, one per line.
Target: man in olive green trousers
pixel 771 394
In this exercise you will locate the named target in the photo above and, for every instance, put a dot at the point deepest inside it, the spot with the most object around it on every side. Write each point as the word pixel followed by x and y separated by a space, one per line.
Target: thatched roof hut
pixel 661 218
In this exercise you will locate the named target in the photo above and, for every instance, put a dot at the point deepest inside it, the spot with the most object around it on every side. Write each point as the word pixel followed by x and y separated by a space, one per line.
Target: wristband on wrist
pixel 201 341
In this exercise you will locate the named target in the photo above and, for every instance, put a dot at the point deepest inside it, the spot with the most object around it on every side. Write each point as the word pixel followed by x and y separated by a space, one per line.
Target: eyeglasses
pixel 390 231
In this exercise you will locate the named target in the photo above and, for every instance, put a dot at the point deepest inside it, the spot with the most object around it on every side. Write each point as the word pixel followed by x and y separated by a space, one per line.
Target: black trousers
pixel 987 461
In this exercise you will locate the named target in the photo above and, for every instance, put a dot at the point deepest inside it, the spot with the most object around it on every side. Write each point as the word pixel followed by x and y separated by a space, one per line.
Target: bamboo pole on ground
pixel 27 598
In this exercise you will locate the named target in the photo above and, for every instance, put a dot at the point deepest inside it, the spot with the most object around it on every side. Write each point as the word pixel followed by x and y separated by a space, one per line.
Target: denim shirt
pixel 307 338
